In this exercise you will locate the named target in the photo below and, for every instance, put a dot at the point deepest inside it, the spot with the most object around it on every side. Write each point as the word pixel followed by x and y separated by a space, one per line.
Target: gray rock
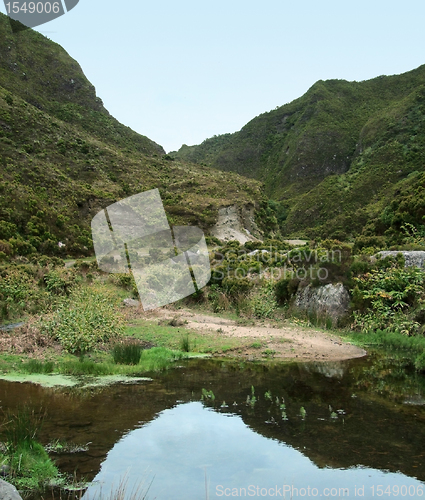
pixel 11 326
pixel 8 492
pixel 131 303
pixel 257 251
pixel 412 258
pixel 4 470
pixel 324 301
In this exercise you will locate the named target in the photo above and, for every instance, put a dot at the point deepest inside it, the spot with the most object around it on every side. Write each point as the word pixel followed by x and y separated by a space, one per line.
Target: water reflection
pixel 189 443
pixel 363 425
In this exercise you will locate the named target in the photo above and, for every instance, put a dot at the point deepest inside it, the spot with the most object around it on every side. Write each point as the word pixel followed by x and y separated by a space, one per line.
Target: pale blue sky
pixel 180 72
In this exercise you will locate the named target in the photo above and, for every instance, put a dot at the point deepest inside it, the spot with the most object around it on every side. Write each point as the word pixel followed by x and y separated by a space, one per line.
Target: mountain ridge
pixel 63 157
pixel 303 149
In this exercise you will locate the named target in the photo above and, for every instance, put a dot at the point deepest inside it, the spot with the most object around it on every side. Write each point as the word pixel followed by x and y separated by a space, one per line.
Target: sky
pixel 181 72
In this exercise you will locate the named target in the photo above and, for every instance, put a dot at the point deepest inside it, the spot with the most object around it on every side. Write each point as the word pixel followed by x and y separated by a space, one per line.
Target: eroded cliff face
pixel 236 223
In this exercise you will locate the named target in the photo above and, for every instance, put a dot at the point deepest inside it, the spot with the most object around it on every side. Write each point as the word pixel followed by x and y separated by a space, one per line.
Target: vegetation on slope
pixel 41 73
pixel 63 157
pixel 335 157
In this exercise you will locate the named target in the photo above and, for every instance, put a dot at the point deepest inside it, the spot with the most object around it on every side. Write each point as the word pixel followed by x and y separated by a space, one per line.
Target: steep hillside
pixel 41 73
pixel 63 157
pixel 336 156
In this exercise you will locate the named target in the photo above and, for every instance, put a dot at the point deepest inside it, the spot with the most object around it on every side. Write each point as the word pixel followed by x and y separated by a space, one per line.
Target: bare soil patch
pixel 268 340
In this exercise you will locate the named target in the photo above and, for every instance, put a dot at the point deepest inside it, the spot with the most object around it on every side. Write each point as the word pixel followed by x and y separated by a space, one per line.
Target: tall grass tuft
pixel 85 367
pixel 21 427
pixel 30 466
pixel 127 354
pixel 185 344
pixel 159 358
pixel 36 366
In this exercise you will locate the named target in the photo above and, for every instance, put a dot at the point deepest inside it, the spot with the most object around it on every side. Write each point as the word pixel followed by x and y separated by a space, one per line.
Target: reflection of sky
pixel 175 449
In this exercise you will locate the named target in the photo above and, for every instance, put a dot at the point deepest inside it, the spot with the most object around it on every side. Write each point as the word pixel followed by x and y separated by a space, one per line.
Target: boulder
pixel 329 301
pixel 8 492
pixel 412 258
pixel 131 302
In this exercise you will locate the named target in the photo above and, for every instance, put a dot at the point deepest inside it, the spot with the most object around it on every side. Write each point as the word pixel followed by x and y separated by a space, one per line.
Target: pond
pixel 218 428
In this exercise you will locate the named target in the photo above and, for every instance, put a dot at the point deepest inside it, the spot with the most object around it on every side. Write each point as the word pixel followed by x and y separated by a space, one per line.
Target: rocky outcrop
pixel 236 223
pixel 412 258
pixel 8 492
pixel 329 301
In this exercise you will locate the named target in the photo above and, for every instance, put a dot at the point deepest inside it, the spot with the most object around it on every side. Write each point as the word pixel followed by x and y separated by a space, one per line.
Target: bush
pixel 235 287
pixel 87 319
pixel 263 301
pixel 363 242
pixel 19 293
pixel 58 281
pixel 386 298
pixel 285 289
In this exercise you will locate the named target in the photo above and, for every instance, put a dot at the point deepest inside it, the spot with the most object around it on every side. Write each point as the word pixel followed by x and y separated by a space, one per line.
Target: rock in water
pixel 8 492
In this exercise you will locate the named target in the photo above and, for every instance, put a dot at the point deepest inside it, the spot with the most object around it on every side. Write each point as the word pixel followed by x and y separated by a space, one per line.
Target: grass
pixel 171 337
pixel 21 427
pixel 414 345
pixel 120 492
pixel 31 469
pixel 185 343
pixel 150 360
pixel 127 354
pixel 30 465
pixel 37 366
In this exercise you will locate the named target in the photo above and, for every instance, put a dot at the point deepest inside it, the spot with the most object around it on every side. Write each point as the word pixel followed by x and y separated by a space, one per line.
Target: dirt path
pixel 290 342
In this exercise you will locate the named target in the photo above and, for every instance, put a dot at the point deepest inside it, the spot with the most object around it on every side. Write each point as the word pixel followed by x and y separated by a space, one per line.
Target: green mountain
pixel 63 157
pixel 343 159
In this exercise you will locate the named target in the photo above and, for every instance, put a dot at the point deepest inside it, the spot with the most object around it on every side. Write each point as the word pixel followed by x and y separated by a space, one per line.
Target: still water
pixel 219 429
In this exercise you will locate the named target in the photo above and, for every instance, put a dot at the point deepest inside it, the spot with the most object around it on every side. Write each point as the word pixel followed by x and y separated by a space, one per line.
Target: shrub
pixel 386 297
pixel 235 287
pixel 363 242
pixel 285 289
pixel 218 299
pixel 86 320
pixel 57 282
pixel 19 293
pixel 263 301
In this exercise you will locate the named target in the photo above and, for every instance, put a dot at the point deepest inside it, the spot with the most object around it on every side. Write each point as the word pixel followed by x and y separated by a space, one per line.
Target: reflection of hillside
pixel 371 432
pixel 99 416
